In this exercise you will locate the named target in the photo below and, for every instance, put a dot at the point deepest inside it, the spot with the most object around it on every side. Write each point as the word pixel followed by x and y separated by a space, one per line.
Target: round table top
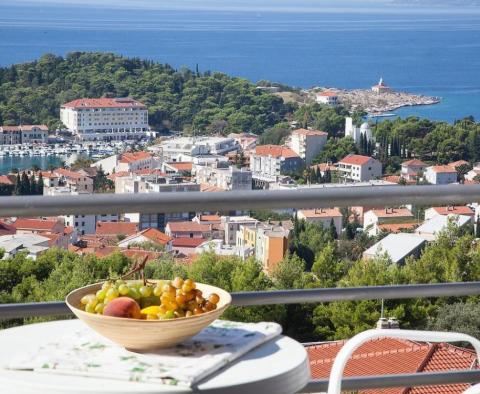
pixel 278 366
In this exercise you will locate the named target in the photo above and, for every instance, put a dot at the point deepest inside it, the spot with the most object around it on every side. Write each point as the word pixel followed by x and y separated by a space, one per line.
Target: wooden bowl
pixel 136 334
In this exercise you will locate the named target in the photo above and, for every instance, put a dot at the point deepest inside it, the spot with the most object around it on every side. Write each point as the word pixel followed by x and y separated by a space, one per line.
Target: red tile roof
pixel 181 165
pixel 443 169
pixel 187 227
pixel 455 210
pixel 309 132
pixel 187 242
pixel 397 227
pixel 104 102
pixel 205 187
pixel 25 127
pixel 131 157
pixel 458 163
pixel 321 213
pixel 275 151
pixel 327 93
pixel 392 212
pixel 118 174
pixel 5 180
pixel 356 160
pixel 393 356
pixel 116 228
pixel 68 173
pixel 210 218
pixel 35 224
pixel 323 167
pixel 414 163
pixel 155 236
pixel 7 229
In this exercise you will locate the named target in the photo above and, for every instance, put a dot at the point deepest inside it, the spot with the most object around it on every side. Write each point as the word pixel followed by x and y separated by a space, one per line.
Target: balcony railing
pixel 242 200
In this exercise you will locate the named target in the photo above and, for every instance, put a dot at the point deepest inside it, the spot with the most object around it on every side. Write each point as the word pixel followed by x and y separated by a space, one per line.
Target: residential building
pixel 36 226
pixel 33 244
pixel 389 356
pixel 459 163
pixel 23 134
pixel 381 87
pixel 473 173
pixel 247 141
pixel 232 224
pixel 271 161
pixel 357 168
pixel 327 97
pixel 174 149
pixel 116 229
pixel 431 228
pixel 186 246
pixel 323 217
pixel 177 168
pixel 271 244
pixel 413 170
pixel 356 132
pixel 230 178
pixel 105 119
pixel 72 180
pixel 218 247
pixel 148 235
pixel 135 161
pixel 450 210
pixel 396 247
pixel 440 175
pixel 376 217
pixel 188 230
pixel 307 143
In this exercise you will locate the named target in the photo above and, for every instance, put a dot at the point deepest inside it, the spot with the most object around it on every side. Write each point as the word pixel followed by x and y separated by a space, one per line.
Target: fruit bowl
pixel 137 334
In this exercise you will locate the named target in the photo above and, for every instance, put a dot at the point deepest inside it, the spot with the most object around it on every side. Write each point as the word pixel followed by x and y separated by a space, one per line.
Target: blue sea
pixel 434 53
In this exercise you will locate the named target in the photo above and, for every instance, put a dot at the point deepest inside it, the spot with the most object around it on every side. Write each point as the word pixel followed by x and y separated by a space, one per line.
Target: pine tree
pixel 24 184
pixel 328 176
pixel 332 230
pixel 18 184
pixel 477 228
pixel 33 186
pixel 318 176
pixel 40 184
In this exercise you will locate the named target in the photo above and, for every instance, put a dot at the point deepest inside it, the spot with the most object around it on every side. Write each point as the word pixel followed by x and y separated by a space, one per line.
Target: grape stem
pixel 138 266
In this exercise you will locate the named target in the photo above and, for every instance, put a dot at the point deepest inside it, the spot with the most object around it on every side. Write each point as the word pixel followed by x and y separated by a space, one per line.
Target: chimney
pixel 393 323
pixel 382 324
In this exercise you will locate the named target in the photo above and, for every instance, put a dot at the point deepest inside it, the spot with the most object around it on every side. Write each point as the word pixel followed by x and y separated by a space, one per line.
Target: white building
pixel 431 228
pixel 232 224
pixel 440 175
pixel 23 134
pixel 411 169
pixel 230 178
pixel 450 210
pixel 374 218
pixel 33 244
pixel 105 119
pixel 174 149
pixel 323 217
pixel 327 97
pixel 355 132
pixel 307 143
pixel 396 247
pixel 357 168
pixel 381 87
pixel 270 161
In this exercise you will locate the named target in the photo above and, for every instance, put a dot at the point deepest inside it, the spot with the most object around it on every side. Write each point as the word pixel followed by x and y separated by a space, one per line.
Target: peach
pixel 123 307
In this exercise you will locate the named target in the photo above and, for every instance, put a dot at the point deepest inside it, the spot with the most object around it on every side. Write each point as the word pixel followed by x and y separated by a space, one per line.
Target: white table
pixel 279 366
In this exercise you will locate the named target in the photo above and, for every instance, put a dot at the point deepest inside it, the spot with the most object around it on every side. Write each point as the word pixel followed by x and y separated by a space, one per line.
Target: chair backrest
pixel 336 374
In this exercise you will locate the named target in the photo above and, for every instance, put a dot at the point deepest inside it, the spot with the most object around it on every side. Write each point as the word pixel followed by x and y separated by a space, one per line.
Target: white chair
pixel 335 382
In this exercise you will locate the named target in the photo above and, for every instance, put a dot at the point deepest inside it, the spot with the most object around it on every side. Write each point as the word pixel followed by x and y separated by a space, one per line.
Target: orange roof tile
pixel 443 169
pixel 205 187
pixel 327 93
pixel 356 159
pixel 414 163
pixel 458 163
pixel 323 167
pixel 116 228
pixel 321 213
pixel 210 218
pixel 397 227
pixel 104 102
pixel 5 180
pixel 275 151
pixel 131 157
pixel 118 174
pixel 187 242
pixel 156 236
pixel 26 127
pixel 392 212
pixel 7 229
pixel 68 173
pixel 181 165
pixel 393 356
pixel 309 132
pixel 35 224
pixel 187 227
pixel 456 210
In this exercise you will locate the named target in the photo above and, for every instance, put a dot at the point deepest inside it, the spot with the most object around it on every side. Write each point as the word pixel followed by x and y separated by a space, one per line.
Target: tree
pixel 461 317
pixel 332 230
pixel 33 186
pixel 327 268
pixel 40 184
pixel 24 184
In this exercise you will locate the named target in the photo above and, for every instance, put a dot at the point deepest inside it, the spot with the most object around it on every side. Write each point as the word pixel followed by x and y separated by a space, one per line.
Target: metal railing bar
pixel 13 311
pixel 342 196
pixel 400 380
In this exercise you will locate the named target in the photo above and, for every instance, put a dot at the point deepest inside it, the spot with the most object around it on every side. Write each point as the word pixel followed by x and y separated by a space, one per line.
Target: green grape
pixel 101 294
pixel 106 285
pixel 90 308
pixel 99 308
pixel 123 289
pixel 145 291
pixel 87 298
pixel 169 315
pixel 134 293
pixel 157 291
pixel 112 293
pixel 119 282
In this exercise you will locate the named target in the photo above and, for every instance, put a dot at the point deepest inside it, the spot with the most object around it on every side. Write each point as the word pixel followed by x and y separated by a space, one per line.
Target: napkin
pixel 86 353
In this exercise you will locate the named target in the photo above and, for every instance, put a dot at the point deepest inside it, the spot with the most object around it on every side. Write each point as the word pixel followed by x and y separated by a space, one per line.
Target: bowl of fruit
pixel 146 315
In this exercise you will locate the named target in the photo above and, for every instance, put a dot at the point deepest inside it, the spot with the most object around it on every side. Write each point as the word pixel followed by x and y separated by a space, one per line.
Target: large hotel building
pixel 105 119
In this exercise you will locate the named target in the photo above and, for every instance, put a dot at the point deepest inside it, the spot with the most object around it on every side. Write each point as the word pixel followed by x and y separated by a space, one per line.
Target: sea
pixel 425 51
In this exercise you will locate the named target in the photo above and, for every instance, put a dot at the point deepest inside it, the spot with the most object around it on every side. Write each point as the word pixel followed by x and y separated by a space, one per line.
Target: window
pixel 191 235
